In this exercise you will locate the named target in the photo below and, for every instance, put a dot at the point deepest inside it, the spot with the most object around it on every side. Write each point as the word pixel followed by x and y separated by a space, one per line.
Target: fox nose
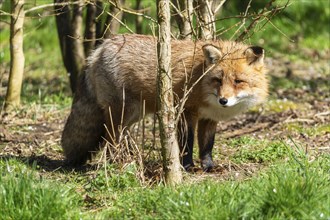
pixel 223 101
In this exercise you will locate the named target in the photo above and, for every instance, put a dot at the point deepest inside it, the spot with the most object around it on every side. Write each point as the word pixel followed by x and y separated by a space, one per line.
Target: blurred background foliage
pixel 298 32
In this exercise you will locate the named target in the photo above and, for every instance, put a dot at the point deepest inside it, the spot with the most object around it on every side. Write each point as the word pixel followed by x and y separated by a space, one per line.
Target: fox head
pixel 234 75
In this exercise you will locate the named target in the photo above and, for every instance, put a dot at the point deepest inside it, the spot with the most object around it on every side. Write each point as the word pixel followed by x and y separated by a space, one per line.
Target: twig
pixel 298 120
pixel 219 6
pixel 132 11
pixel 262 14
pixel 185 97
pixel 286 36
pixel 322 114
pixel 50 6
pixel 243 131
pixel 122 23
pixel 244 19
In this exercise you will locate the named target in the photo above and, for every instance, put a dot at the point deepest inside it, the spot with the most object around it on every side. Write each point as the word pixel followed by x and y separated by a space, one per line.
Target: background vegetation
pixel 289 31
pixel 273 161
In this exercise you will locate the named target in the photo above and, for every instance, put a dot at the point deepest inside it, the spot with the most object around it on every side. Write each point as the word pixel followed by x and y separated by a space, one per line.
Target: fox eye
pixel 238 81
pixel 216 79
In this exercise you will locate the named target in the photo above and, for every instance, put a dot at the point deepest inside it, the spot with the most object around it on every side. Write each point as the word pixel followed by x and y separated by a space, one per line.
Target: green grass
pixel 250 149
pixel 26 195
pixel 279 105
pixel 298 188
pixel 310 131
pixel 111 179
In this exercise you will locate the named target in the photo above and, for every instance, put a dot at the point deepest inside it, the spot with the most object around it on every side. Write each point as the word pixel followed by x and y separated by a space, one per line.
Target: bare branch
pixel 243 20
pixel 130 11
pixel 219 6
pixel 122 23
pixel 258 17
pixel 112 22
pixel 51 5
pixel 183 16
pixel 206 19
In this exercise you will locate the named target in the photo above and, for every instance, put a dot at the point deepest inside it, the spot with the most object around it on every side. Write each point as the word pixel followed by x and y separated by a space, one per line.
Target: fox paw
pixel 189 166
pixel 207 164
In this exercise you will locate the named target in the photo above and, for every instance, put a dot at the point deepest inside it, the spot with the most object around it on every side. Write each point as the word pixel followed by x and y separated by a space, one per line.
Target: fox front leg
pixel 206 133
pixel 186 140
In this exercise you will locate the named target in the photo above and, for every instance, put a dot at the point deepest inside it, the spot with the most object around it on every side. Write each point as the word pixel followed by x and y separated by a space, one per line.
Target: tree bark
pixel 77 46
pixel 112 24
pixel 138 19
pixel 90 28
pixel 206 17
pixel 184 17
pixel 63 17
pixel 69 29
pixel 165 100
pixel 13 96
pixel 99 23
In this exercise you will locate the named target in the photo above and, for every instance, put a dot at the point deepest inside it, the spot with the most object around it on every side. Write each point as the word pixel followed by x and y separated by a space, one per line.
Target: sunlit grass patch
pixel 279 105
pixel 25 195
pixel 252 149
pixel 300 190
pixel 110 178
pixel 276 106
pixel 309 130
pixel 33 112
pixel 295 189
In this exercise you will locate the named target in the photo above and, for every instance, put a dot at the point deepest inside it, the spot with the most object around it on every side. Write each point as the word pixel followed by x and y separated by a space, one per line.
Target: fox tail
pixel 84 127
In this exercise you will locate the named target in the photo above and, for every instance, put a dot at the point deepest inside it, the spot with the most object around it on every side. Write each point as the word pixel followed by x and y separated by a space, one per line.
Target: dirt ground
pixel 301 111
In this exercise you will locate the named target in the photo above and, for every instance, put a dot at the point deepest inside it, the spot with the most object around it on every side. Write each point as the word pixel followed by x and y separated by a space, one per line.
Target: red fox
pixel 227 78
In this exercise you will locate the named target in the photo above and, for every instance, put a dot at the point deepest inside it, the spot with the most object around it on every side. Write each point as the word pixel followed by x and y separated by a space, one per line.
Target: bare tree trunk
pixel 13 96
pixel 69 28
pixel 90 28
pixel 63 29
pixel 112 24
pixel 138 19
pixel 183 17
pixel 99 24
pixel 77 46
pixel 206 17
pixel 165 100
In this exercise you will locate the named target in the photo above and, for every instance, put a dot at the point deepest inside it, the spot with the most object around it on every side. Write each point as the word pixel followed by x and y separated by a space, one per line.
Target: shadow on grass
pixel 42 162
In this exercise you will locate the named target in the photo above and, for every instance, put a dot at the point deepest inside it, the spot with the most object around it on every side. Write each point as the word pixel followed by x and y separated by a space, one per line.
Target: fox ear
pixel 212 54
pixel 254 55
